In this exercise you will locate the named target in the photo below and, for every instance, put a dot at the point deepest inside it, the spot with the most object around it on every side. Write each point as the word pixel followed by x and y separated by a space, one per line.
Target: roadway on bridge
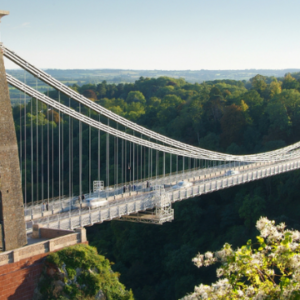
pixel 203 181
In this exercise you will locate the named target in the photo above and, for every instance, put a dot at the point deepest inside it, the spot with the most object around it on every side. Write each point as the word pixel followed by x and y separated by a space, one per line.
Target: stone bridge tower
pixel 12 222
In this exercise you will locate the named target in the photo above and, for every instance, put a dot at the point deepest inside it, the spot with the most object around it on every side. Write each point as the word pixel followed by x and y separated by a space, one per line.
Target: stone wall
pixel 12 210
pixel 49 233
pixel 18 280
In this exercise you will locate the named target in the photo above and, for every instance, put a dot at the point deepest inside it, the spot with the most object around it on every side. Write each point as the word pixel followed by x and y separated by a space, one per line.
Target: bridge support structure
pixel 161 213
pixel 12 221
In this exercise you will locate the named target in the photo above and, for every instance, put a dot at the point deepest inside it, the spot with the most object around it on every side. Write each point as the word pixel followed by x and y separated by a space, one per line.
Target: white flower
pixel 293 246
pixel 281 226
pixel 270 272
pixel 257 259
pixel 275 235
pixel 209 255
pixel 233 267
pixel 260 295
pixel 223 282
pixel 221 255
pixel 250 291
pixel 265 232
pixel 220 272
pixel 202 291
pixel 296 276
pixel 271 255
pixel 294 262
pixel 261 223
pixel 280 249
pixel 296 235
pixel 198 260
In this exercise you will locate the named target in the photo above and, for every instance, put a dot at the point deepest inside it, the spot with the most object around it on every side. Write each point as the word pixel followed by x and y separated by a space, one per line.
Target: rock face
pixel 78 272
pixel 60 281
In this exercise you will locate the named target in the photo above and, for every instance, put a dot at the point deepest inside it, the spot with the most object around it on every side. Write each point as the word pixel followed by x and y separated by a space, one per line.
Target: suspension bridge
pixel 125 172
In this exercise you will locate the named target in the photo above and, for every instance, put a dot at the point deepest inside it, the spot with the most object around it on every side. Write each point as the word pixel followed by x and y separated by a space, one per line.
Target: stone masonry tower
pixel 12 222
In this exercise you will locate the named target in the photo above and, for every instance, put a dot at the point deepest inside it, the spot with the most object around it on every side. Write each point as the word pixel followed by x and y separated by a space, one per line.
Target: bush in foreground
pixel 269 269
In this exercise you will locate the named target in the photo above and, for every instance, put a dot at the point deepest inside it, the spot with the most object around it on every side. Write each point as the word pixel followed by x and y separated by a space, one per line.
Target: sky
pixel 153 35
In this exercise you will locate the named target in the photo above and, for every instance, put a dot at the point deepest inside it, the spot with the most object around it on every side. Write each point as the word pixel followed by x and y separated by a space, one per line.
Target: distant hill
pixel 81 77
pixel 125 76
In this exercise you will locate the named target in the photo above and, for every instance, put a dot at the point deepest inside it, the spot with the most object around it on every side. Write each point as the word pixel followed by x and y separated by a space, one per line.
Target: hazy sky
pixel 156 34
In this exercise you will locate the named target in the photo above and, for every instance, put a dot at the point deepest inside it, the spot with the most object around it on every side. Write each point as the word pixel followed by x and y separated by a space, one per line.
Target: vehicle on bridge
pixel 232 172
pixel 91 203
pixel 181 184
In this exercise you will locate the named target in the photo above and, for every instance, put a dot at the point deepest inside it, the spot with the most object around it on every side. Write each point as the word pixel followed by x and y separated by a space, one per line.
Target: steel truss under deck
pixel 161 212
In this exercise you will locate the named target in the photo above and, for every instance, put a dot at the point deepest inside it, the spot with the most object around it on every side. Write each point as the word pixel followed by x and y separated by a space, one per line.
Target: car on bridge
pixel 232 172
pixel 91 203
pixel 181 184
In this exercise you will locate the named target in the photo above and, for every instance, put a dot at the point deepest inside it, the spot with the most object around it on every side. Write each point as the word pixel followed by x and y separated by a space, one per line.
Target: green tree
pixel 135 96
pixel 275 88
pixel 171 101
pixel 101 89
pixel 289 82
pixel 259 83
pixel 154 102
pixel 255 104
pixel 135 110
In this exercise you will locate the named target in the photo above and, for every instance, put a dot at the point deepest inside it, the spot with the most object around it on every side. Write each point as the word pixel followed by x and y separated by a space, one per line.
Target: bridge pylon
pixel 12 222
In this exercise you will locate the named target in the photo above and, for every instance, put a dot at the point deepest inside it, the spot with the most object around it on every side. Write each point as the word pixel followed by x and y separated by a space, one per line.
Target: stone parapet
pixel 69 238
pixel 40 232
pixel 50 233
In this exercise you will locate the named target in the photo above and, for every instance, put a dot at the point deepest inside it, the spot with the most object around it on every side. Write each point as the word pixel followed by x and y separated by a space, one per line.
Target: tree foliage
pixel 78 272
pixel 268 269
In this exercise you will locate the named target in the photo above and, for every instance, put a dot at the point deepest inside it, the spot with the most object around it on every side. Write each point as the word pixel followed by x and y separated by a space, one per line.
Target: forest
pixel 237 117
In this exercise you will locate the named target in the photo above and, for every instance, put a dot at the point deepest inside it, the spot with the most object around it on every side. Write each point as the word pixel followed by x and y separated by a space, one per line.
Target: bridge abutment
pixel 13 233
pixel 21 269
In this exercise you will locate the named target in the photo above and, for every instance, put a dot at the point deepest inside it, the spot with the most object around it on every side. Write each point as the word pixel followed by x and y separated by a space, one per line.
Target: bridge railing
pixel 82 217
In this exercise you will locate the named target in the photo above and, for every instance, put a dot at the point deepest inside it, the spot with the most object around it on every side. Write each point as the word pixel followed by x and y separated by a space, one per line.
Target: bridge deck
pixel 134 202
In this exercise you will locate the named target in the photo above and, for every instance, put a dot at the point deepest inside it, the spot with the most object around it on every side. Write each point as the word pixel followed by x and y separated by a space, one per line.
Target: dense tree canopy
pixel 236 117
